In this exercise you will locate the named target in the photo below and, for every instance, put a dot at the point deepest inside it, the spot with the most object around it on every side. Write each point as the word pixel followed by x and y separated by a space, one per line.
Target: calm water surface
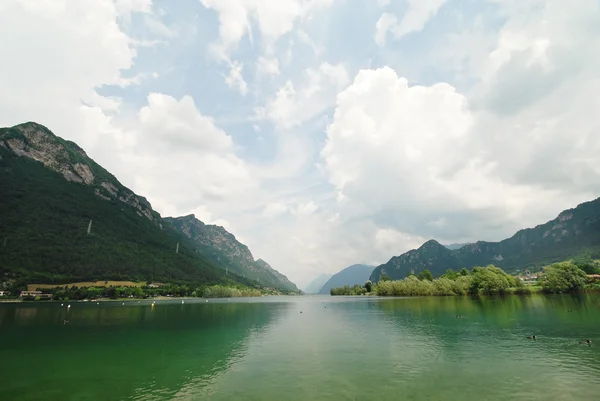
pixel 303 348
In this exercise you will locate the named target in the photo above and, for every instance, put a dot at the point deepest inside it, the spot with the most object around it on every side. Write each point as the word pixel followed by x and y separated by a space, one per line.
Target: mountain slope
pixel 454 247
pixel 574 232
pixel 222 247
pixel 50 191
pixel 315 286
pixel 431 256
pixel 351 275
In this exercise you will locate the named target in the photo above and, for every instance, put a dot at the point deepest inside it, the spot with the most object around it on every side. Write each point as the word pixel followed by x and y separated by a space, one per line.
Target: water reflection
pixel 305 348
pixel 112 351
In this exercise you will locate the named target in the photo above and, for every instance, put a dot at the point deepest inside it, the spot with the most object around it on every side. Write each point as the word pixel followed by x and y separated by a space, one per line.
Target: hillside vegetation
pixel 51 190
pixel 574 233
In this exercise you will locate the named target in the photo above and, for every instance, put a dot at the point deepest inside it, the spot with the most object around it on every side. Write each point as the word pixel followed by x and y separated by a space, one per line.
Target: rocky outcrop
pixel 36 142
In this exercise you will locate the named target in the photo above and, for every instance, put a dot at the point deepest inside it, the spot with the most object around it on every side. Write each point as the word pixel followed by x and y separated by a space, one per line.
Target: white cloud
pixel 235 80
pixel 408 155
pixel 418 13
pixel 179 125
pixel 305 209
pixel 386 22
pixel 274 209
pixel 65 51
pixel 267 66
pixel 126 7
pixel 183 163
pixel 306 39
pixel 293 105
pixel 388 241
pixel 274 18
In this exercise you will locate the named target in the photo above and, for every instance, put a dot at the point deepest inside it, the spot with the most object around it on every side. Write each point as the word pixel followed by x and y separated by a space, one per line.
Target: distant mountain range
pixel 574 232
pixel 351 275
pixel 315 286
pixel 63 217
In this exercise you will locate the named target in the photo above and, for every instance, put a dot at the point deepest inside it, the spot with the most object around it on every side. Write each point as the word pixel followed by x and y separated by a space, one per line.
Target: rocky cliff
pixel 36 142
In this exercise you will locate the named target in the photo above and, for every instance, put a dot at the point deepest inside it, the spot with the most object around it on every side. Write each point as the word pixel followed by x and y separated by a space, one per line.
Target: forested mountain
pixel 574 232
pixel 64 218
pixel 218 244
pixel 351 275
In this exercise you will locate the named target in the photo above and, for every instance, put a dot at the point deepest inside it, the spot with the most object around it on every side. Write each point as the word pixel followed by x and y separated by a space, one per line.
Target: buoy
pixel 61 304
pixel 123 303
pixel 69 306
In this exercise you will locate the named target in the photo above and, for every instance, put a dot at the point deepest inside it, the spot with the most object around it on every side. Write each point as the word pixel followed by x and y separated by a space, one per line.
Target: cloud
pixel 293 105
pixel 267 66
pixel 202 166
pixel 65 51
pixel 418 13
pixel 274 19
pixel 406 155
pixel 126 7
pixel 235 80
pixel 386 22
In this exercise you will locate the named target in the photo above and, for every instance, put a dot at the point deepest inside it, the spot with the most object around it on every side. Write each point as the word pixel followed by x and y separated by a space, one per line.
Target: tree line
pixel 143 292
pixel 489 280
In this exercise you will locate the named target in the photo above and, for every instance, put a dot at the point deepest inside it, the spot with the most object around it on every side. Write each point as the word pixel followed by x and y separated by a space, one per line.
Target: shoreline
pixel 129 300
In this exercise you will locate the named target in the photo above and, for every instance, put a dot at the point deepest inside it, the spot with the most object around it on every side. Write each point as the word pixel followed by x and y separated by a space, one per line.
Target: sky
pixel 322 133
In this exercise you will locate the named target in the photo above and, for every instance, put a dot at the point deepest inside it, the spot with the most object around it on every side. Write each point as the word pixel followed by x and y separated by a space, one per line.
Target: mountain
pixel 432 256
pixel 454 247
pixel 315 286
pixel 574 232
pixel 52 194
pixel 351 275
pixel 219 245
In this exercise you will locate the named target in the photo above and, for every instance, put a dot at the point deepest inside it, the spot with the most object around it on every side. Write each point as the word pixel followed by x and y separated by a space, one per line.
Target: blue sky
pixel 322 133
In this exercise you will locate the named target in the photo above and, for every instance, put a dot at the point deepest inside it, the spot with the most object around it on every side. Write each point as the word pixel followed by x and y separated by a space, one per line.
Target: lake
pixel 303 348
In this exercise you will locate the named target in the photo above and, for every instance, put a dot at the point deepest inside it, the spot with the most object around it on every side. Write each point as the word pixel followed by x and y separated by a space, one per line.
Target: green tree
pixel 450 274
pixel 587 264
pixel 563 277
pixel 425 275
pixel 368 285
pixel 464 271
pixel 385 277
pixel 489 280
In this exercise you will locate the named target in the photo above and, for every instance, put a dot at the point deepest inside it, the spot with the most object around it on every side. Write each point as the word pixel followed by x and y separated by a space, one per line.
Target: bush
pixel 563 277
pixel 219 291
pixel 490 280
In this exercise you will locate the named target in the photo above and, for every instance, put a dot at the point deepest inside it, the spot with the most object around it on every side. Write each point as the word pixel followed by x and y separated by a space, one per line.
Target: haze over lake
pixel 303 348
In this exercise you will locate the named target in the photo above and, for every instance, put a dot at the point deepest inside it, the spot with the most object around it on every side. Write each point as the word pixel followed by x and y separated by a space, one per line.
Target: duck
pixel 586 342
pixel 532 337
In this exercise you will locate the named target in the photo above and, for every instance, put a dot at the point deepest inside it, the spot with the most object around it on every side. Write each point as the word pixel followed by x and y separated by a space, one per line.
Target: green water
pixel 336 349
